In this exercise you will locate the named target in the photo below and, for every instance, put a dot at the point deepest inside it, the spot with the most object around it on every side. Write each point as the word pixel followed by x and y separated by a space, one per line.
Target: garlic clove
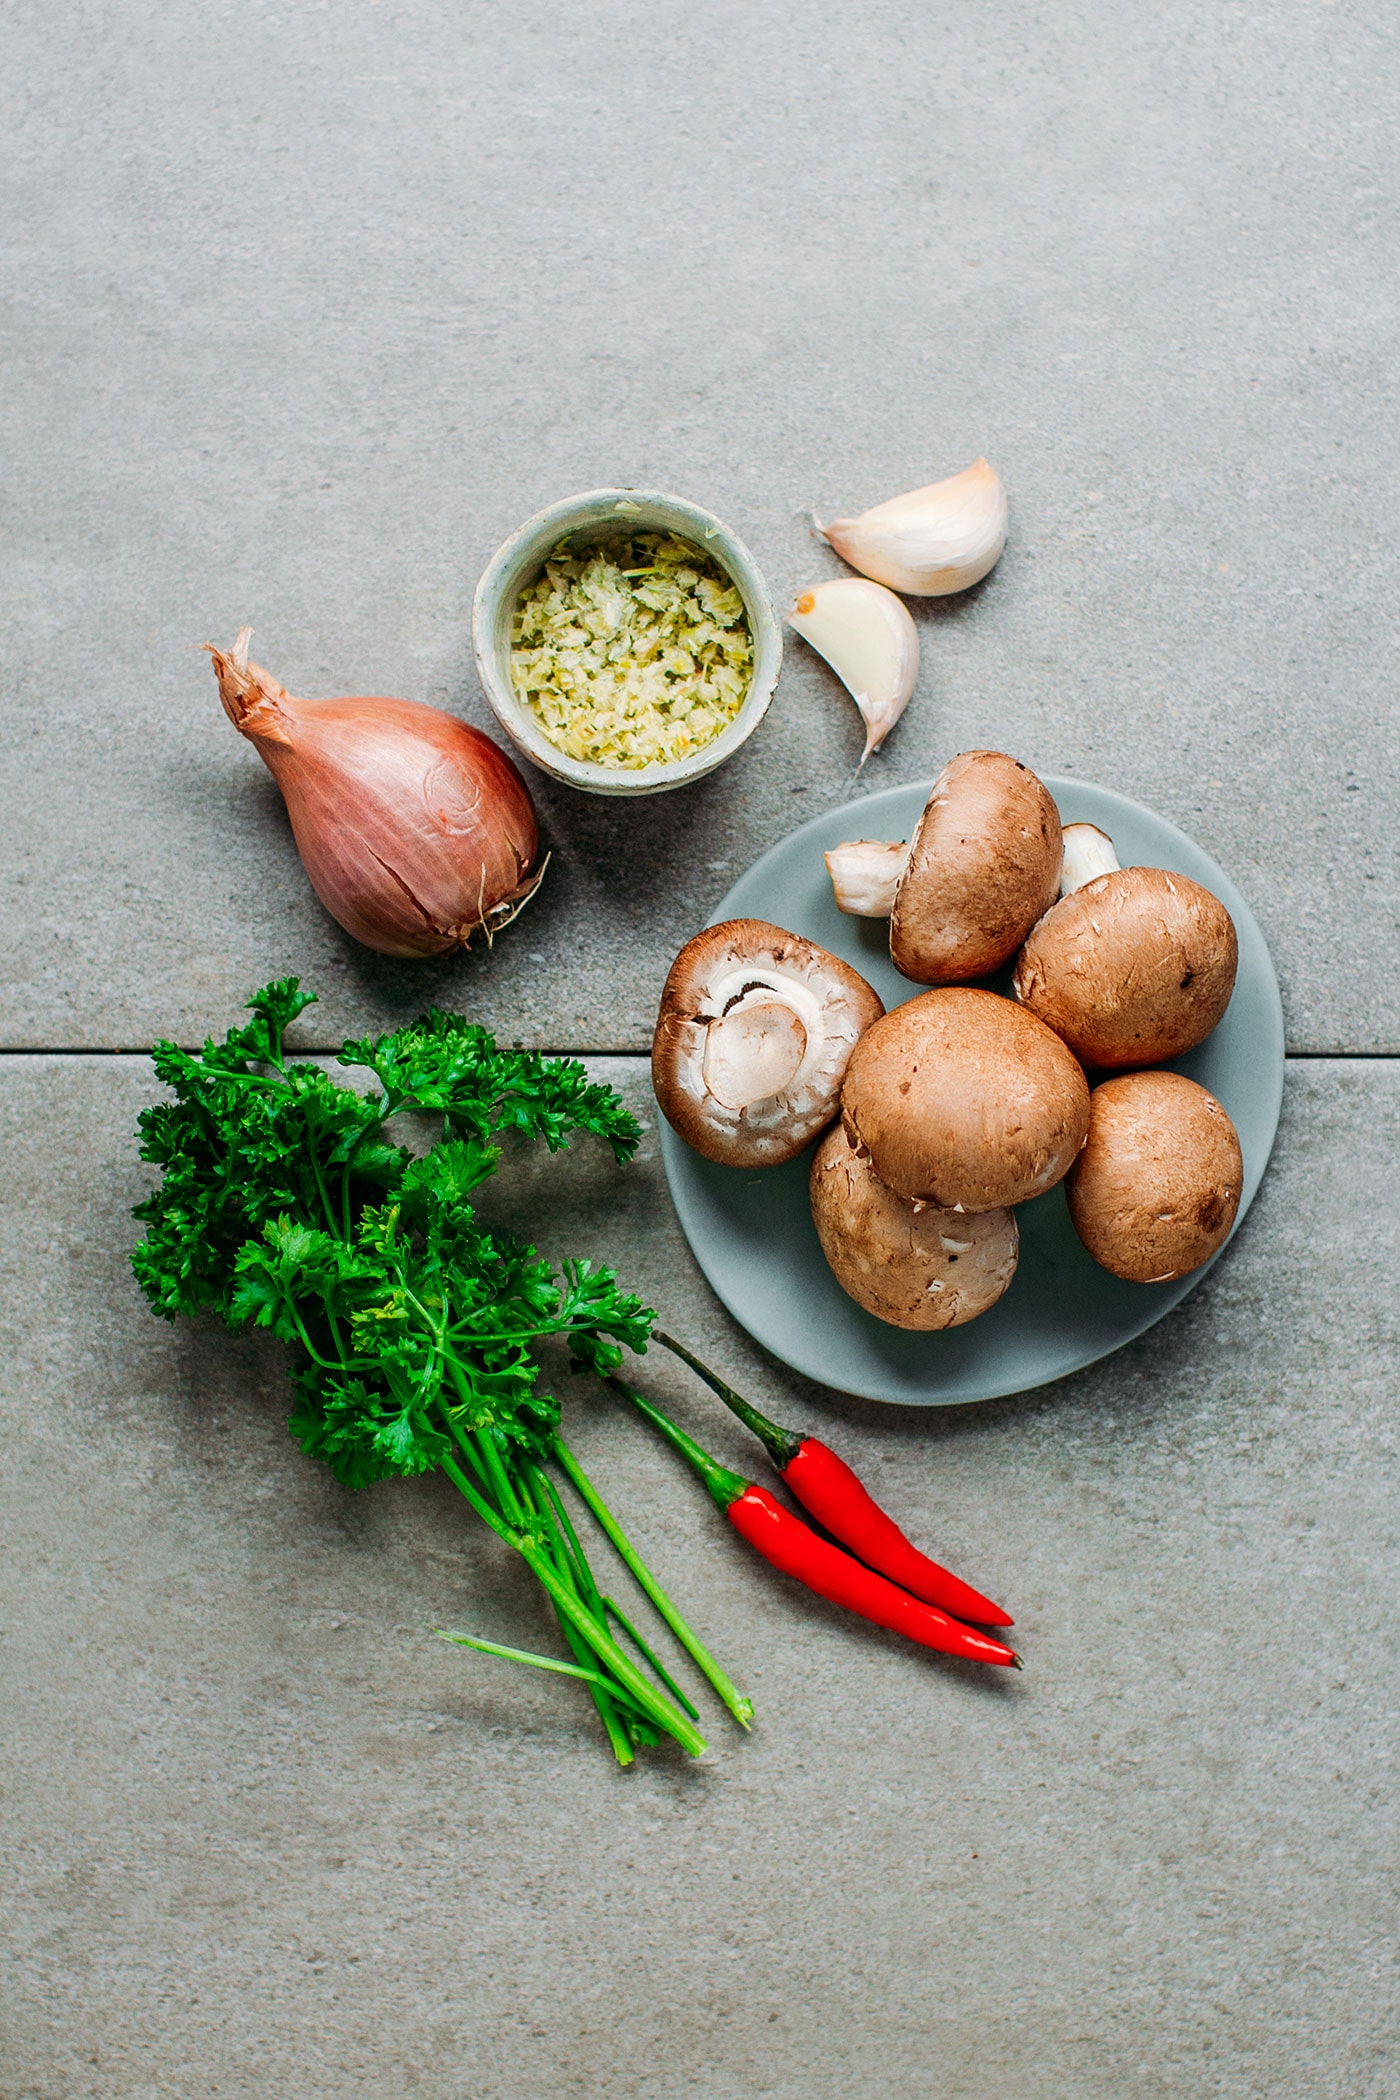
pixel 1088 852
pixel 934 540
pixel 871 643
pixel 865 873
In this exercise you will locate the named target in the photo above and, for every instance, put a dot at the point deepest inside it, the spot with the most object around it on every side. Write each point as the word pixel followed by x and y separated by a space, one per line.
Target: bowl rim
pixel 525 548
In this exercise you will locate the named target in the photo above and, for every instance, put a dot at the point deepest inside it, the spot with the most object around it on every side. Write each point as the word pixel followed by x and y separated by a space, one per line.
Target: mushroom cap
pixel 1133 969
pixel 752 1041
pixel 907 1263
pixel 966 1101
pixel 1157 1186
pixel 984 863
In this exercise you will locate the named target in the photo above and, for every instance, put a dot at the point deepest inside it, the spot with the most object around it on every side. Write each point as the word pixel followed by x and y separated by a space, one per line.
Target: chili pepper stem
pixel 791 1546
pixel 739 1706
pixel 725 1487
pixel 782 1445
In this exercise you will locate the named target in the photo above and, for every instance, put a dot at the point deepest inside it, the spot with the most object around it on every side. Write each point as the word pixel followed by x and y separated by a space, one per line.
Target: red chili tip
pixel 1016 1662
pixel 826 1486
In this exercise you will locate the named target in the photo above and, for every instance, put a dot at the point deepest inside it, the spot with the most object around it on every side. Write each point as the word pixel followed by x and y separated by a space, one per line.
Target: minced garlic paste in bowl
pixel 631 649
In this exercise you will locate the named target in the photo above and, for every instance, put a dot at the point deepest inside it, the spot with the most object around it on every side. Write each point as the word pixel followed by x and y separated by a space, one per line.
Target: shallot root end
pixel 509 909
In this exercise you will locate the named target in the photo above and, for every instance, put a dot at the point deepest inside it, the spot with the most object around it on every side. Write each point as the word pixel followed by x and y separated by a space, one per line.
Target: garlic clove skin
pixel 933 541
pixel 865 874
pixel 871 643
pixel 1088 853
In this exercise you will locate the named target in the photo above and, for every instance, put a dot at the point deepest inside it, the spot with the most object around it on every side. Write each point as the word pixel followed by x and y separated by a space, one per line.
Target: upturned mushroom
pixel 966 1101
pixel 1133 965
pixel 1156 1188
pixel 908 1263
pixel 983 864
pixel 752 1041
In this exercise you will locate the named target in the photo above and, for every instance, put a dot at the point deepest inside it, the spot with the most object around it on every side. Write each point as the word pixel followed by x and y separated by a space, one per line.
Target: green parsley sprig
pixel 284 1203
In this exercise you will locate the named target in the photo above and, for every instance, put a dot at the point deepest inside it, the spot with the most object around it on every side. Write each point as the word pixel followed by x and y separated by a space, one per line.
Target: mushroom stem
pixel 753 1051
pixel 865 874
pixel 1088 852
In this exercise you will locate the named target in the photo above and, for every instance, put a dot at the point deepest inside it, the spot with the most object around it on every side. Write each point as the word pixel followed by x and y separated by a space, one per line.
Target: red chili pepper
pixel 795 1549
pixel 825 1485
pixel 792 1546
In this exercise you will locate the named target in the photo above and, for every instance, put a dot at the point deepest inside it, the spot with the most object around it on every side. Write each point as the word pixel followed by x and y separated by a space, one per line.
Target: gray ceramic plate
pixel 752 1234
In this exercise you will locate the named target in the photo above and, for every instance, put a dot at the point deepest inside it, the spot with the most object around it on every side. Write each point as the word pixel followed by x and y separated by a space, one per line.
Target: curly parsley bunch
pixel 285 1204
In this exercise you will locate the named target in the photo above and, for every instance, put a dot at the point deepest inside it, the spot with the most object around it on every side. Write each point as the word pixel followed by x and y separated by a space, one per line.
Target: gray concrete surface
pixel 305 308
pixel 309 306
pixel 265 1835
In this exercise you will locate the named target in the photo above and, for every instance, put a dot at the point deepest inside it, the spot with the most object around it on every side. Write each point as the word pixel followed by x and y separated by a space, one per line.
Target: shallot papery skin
pixel 416 830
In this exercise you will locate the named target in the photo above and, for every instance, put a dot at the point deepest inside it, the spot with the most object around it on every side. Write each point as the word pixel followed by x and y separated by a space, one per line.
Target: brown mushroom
pixel 964 1100
pixel 984 863
pixel 1157 1186
pixel 907 1263
pixel 1132 969
pixel 752 1041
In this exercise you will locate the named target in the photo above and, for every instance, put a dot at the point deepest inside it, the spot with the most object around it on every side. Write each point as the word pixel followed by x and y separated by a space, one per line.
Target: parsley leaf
pixel 283 1204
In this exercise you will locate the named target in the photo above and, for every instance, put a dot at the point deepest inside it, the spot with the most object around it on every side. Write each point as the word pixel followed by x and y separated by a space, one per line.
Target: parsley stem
pixel 463 1443
pixel 739 1706
pixel 617 1730
pixel 331 1219
pixel 615 1611
pixel 522 1655
pixel 598 1639
pixel 312 1352
pixel 545 1498
pixel 375 1123
pixel 530 1334
pixel 488 1460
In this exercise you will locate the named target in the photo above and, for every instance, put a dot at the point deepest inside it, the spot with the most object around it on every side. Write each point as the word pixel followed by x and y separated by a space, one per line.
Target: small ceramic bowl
pixel 520 561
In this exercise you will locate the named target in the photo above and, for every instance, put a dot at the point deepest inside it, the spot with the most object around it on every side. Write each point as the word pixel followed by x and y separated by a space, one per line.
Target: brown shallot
pixel 416 830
